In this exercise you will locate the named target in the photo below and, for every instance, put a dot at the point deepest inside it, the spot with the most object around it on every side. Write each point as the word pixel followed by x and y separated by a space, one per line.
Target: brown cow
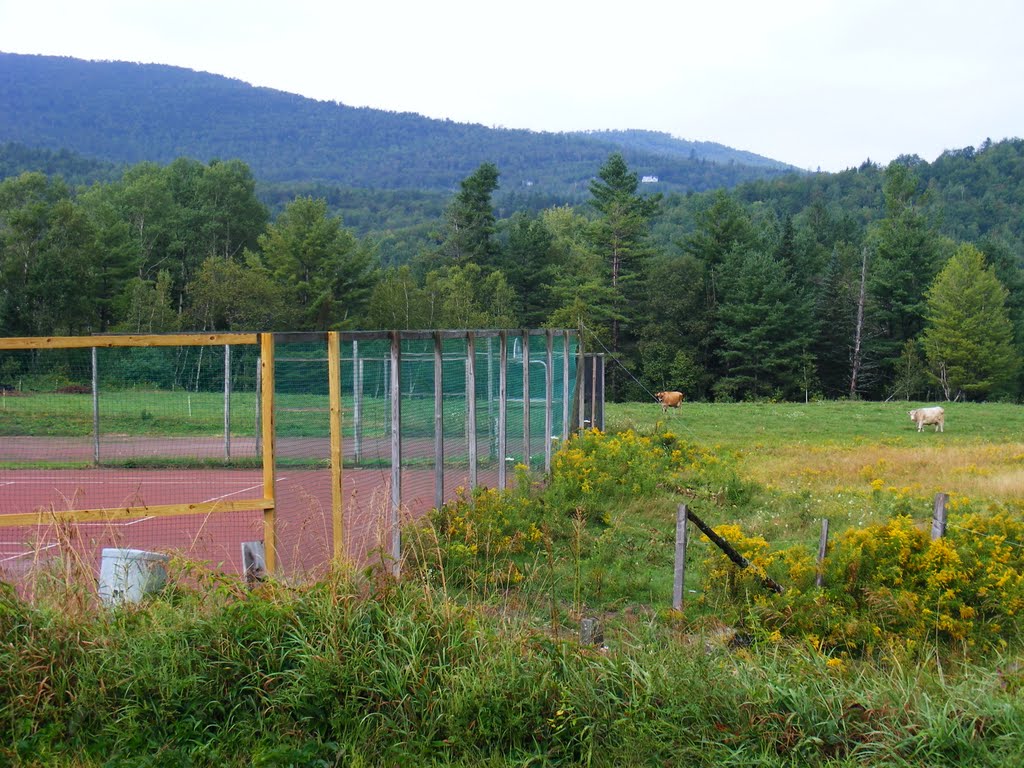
pixel 669 400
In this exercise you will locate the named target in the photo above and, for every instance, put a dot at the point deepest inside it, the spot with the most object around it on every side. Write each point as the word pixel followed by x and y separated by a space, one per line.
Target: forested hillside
pixel 902 281
pixel 129 113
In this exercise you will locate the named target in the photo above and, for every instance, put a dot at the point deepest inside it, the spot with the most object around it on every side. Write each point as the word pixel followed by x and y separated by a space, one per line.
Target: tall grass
pixel 357 672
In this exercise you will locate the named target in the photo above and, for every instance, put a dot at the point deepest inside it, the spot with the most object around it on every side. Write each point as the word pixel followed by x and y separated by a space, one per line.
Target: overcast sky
pixel 817 84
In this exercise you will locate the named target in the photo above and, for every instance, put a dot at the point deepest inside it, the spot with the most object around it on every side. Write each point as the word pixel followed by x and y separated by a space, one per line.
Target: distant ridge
pixel 125 113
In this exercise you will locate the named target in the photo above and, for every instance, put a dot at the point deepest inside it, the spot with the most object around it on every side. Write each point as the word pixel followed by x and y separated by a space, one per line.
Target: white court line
pixel 27 553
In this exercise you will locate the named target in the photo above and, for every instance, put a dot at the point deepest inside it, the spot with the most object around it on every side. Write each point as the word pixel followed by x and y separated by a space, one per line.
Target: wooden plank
pixel 334 386
pixel 269 446
pixel 151 340
pixel 46 517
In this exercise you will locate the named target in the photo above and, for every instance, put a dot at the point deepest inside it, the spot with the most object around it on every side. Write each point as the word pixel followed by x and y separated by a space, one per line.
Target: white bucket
pixel 128 574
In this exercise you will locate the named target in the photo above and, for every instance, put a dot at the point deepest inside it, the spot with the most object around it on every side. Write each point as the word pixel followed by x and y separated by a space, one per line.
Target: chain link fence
pixel 317 445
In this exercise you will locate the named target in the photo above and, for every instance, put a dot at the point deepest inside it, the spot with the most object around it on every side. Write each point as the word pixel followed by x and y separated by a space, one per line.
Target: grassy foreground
pixel 909 656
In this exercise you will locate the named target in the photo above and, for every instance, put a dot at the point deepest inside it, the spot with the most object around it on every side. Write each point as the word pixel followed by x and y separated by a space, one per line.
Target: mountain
pixel 125 113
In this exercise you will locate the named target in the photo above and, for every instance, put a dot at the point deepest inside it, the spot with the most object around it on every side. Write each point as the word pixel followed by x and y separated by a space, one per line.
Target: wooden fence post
pixel 438 420
pixel 337 446
pixel 268 443
pixel 680 565
pixel 396 451
pixel 95 408
pixel 939 516
pixel 819 580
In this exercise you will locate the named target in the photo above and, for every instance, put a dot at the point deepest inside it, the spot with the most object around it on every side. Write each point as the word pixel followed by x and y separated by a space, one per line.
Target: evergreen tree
pixel 470 223
pixel 969 339
pixel 328 271
pixel 762 329
pixel 620 235
pixel 905 262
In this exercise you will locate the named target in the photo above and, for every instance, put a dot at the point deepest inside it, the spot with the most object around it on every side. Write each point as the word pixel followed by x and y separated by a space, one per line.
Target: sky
pixel 818 84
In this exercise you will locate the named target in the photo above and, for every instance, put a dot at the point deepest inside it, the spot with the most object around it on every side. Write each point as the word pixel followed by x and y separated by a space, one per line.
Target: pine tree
pixel 620 236
pixel 969 338
pixel 762 330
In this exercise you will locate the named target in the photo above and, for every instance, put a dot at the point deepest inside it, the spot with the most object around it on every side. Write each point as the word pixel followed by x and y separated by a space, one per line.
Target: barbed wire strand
pixel 618 362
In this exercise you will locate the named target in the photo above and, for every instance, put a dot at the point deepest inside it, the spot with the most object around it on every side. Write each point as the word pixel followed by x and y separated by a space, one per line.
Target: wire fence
pixel 316 445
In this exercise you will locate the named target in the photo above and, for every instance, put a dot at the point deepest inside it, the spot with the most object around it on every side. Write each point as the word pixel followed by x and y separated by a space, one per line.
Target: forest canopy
pixel 859 284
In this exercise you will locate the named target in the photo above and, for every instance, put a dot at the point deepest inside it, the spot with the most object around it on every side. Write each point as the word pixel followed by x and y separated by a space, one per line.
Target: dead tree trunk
pixel 857 358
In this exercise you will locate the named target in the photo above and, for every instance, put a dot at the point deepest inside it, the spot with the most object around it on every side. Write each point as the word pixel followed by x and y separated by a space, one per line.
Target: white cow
pixel 936 416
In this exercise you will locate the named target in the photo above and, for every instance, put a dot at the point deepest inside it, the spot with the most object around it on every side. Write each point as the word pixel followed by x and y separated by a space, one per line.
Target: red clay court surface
pixel 304 527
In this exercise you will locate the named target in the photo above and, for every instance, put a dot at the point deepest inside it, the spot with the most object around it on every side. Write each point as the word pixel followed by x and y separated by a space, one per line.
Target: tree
pixel 903 267
pixel 330 274
pixel 762 330
pixel 470 223
pixel 468 299
pixel 620 236
pixel 228 295
pixel 528 262
pixel 968 339
pixel 398 302
pixel 48 260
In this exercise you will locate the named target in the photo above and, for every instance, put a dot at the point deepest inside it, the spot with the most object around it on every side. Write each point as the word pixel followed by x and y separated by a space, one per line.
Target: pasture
pixel 834 452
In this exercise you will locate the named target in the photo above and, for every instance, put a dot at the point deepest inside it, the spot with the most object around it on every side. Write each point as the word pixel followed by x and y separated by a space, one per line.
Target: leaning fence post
pixel 819 580
pixel 680 567
pixel 939 516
